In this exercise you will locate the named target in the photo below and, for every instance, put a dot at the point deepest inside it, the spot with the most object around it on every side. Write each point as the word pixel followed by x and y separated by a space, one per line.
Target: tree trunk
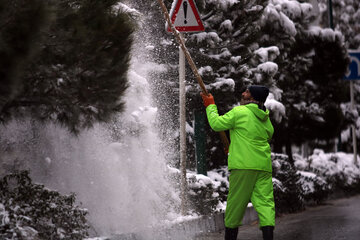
pixel 288 147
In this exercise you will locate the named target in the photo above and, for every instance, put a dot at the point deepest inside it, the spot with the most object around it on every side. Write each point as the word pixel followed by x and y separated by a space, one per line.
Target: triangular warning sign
pixel 185 17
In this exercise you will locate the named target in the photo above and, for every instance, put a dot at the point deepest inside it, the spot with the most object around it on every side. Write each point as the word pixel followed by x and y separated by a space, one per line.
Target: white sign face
pixel 185 17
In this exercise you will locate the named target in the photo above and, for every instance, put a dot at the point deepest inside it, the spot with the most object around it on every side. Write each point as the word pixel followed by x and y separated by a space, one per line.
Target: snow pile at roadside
pixel 338 166
pixel 317 176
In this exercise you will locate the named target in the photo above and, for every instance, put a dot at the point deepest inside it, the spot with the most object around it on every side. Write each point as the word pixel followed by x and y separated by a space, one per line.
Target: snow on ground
pixel 311 172
pixel 314 172
pixel 331 164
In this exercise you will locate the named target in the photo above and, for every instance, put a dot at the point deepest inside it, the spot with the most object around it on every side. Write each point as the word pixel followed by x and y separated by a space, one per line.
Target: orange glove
pixel 207 99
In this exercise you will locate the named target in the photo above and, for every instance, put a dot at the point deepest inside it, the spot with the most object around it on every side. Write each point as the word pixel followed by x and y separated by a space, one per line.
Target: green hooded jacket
pixel 250 132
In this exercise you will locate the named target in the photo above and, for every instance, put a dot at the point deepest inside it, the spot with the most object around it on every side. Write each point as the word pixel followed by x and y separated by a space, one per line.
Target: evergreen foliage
pixel 31 211
pixel 225 56
pixel 311 93
pixel 346 19
pixel 272 43
pixel 339 174
pixel 16 43
pixel 316 189
pixel 312 62
pixel 204 197
pixel 262 42
pixel 79 75
pixel 289 196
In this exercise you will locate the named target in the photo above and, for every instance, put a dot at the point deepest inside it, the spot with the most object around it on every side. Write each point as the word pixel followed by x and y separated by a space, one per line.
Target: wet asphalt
pixel 335 220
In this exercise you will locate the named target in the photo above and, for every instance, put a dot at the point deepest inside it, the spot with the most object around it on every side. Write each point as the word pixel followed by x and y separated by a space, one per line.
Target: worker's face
pixel 246 95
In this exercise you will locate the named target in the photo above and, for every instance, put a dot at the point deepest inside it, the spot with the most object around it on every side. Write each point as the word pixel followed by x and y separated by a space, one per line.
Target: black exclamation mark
pixel 185 11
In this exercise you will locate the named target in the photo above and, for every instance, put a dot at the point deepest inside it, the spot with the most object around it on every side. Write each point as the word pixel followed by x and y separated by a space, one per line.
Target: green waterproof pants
pixel 251 185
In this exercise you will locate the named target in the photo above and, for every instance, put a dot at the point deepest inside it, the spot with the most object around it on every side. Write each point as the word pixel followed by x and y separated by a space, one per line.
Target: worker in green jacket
pixel 249 159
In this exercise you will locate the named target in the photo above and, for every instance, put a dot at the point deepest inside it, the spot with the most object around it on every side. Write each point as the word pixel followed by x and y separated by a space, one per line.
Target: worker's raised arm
pixel 217 123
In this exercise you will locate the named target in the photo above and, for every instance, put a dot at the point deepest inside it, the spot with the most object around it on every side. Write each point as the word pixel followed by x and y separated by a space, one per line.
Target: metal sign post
pixel 182 102
pixel 353 74
pixel 183 18
pixel 330 14
pixel 353 126
pixel 184 22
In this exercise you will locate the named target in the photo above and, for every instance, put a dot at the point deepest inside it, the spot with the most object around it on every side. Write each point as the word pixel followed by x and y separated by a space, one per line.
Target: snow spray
pixel 116 170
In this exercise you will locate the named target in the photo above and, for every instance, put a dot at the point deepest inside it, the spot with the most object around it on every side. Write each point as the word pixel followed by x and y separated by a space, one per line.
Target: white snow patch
pixel 268 53
pixel 226 25
pixel 189 129
pixel 326 34
pixel 225 53
pixel 223 4
pixel 150 47
pixel 290 8
pixel 331 164
pixel 345 135
pixel 276 107
pixel 278 184
pixel 205 70
pixel 127 9
pixel 287 24
pixel 269 68
pixel 273 13
pixel 210 37
pixel 235 59
pixel 226 83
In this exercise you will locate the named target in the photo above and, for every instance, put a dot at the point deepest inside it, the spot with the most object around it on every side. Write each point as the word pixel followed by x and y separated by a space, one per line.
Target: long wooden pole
pixel 193 67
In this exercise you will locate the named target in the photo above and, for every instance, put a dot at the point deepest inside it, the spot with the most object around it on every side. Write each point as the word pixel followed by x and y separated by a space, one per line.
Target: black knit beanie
pixel 259 93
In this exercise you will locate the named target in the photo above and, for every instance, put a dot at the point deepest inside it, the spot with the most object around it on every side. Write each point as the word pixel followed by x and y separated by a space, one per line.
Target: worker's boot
pixel 231 233
pixel 268 232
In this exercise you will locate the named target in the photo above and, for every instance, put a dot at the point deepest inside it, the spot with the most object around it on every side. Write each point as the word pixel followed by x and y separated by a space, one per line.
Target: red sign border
pixel 198 28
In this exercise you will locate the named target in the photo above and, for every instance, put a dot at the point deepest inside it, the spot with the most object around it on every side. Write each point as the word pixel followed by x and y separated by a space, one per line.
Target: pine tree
pixel 79 75
pixel 346 19
pixel 17 43
pixel 311 64
pixel 290 196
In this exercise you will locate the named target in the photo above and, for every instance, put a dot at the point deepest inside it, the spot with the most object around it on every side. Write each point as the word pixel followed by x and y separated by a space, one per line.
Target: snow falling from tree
pixel 119 170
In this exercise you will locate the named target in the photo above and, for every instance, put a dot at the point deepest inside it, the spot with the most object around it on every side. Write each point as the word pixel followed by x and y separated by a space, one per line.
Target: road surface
pixel 335 220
